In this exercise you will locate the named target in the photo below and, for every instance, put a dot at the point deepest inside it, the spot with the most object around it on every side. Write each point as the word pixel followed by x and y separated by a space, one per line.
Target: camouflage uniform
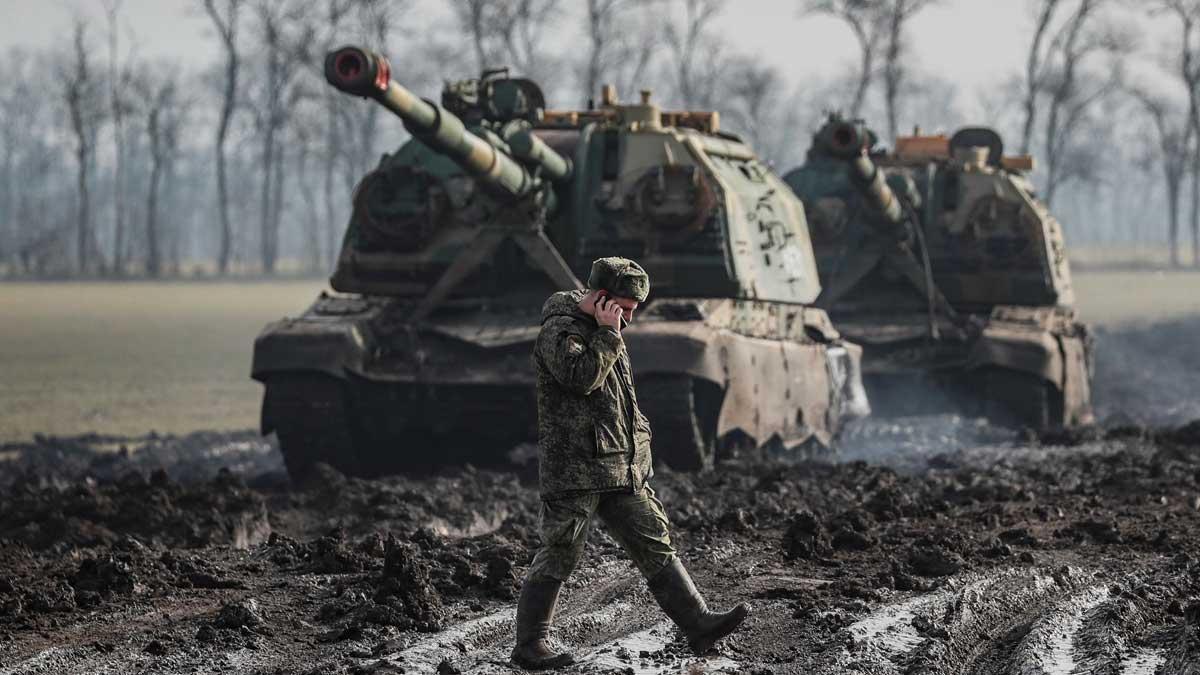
pixel 593 442
pixel 591 435
pixel 594 452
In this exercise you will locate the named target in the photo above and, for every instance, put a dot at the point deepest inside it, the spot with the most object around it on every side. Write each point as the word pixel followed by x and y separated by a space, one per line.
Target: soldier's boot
pixel 677 595
pixel 535 612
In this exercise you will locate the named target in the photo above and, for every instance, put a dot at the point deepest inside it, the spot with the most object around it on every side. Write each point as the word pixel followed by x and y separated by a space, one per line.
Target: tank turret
pixel 361 72
pixel 502 155
pixel 852 142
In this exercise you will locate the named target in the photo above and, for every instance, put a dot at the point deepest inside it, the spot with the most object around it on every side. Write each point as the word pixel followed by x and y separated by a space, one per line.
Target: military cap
pixel 621 277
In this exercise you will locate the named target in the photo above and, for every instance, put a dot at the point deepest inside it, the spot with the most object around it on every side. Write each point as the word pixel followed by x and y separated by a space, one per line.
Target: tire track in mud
pixel 1014 622
pixel 85 660
pixel 600 623
pixel 1051 644
pixel 905 637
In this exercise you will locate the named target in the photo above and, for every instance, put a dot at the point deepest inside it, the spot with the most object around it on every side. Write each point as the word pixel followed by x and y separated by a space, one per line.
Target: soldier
pixel 594 459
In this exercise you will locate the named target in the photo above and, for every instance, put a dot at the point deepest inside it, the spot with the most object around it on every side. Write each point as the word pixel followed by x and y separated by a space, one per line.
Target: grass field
pixel 1123 297
pixel 127 358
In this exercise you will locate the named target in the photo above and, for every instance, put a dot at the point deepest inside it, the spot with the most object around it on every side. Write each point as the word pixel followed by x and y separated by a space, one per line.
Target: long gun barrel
pixel 361 72
pixel 849 141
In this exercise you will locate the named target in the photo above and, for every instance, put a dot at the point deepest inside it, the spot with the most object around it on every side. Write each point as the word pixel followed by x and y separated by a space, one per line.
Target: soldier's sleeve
pixel 580 363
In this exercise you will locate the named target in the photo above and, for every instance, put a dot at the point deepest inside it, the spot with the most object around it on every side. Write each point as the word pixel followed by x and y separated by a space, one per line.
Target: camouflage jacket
pixel 591 435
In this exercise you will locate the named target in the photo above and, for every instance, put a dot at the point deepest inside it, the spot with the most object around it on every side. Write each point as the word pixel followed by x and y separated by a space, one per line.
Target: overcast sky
pixel 979 46
pixel 967 39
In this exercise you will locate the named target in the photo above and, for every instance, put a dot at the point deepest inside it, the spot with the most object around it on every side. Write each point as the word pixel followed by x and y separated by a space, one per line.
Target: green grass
pixel 127 358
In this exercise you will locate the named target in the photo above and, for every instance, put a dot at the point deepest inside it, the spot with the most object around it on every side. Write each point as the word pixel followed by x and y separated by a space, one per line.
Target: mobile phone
pixel 604 296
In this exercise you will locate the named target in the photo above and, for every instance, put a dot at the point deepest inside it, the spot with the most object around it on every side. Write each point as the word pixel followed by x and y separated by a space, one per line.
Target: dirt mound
pixel 152 508
pixel 447 504
pixel 89 578
pixel 190 458
pixel 400 595
pixel 404 594
pixel 806 537
pixel 1187 435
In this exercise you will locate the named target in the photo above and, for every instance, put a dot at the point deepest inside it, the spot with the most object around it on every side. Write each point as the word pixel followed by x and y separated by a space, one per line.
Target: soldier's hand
pixel 608 313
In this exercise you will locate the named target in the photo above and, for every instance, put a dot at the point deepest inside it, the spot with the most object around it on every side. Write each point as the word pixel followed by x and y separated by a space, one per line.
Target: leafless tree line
pixel 132 167
pixel 1178 131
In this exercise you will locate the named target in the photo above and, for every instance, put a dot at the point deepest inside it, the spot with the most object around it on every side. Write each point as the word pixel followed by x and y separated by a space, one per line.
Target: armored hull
pixel 940 261
pixel 715 376
pixel 422 356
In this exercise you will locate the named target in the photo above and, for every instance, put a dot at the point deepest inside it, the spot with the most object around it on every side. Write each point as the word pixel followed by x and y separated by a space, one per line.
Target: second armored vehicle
pixel 939 259
pixel 422 355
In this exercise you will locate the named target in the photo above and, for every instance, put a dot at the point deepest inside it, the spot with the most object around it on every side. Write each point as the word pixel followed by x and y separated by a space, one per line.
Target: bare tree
pixel 1187 13
pixel 1071 91
pixel 119 81
pixel 13 129
pixel 39 207
pixel 865 18
pixel 753 90
pixel 306 133
pixel 1035 68
pixel 511 32
pixel 163 113
pixel 524 27
pixel 335 13
pixel 1175 138
pixel 226 19
pixel 622 44
pixel 80 90
pixel 473 17
pixel 271 117
pixel 698 57
pixel 896 14
pixel 378 19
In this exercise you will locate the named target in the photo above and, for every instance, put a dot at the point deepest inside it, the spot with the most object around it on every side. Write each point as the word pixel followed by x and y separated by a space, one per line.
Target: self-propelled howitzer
pixel 456 239
pixel 940 260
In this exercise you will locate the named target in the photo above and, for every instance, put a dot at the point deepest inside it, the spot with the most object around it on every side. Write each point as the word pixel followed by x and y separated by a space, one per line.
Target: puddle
pixel 479 525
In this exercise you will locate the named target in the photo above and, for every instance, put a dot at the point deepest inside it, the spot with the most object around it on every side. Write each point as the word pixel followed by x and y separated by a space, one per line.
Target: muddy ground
pixel 932 545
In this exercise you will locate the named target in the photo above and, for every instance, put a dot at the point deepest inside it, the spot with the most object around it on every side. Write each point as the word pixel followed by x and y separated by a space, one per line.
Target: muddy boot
pixel 535 611
pixel 677 595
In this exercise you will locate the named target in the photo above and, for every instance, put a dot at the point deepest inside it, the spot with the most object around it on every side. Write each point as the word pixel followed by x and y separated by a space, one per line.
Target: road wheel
pixel 309 414
pixel 683 439
pixel 1020 400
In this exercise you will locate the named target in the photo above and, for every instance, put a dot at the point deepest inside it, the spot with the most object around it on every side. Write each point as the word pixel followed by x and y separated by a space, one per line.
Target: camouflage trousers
pixel 636 521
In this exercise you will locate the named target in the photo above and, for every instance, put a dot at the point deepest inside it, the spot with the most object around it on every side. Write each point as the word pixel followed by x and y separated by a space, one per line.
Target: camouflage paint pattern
pixel 591 436
pixel 637 521
pixel 1001 286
